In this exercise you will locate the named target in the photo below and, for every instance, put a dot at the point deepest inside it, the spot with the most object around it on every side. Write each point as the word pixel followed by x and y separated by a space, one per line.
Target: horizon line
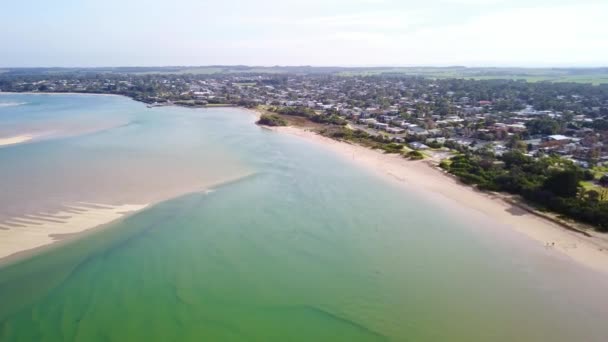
pixel 315 66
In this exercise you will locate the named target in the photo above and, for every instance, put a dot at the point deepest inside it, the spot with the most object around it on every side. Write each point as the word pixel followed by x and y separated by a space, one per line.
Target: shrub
pixel 415 155
pixel 392 148
pixel 271 120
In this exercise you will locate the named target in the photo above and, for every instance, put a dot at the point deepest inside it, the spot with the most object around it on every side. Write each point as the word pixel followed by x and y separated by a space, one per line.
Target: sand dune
pixel 34 230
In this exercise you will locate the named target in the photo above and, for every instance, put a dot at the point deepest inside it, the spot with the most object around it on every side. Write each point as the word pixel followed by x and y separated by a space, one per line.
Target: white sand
pixel 18 139
pixel 39 229
pixel 428 181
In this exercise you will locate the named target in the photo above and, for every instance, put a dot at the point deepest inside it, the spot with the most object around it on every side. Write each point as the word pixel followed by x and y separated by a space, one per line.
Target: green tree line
pixel 549 182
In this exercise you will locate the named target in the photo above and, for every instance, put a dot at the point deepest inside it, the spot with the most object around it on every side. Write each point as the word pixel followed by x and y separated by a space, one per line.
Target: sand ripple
pixel 38 229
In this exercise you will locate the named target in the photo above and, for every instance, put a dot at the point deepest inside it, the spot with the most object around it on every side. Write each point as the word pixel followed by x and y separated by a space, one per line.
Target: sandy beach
pixel 18 139
pixel 420 176
pixel 29 233
pixel 33 231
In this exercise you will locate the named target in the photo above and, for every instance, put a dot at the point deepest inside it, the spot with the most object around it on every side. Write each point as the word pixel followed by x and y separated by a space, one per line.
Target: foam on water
pixel 12 104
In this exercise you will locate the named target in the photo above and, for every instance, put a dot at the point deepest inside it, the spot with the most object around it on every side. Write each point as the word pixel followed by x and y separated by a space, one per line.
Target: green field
pixel 594 76
pixel 577 75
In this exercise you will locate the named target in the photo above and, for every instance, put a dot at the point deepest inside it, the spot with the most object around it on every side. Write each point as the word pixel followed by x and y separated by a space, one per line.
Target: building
pixel 395 130
pixel 418 146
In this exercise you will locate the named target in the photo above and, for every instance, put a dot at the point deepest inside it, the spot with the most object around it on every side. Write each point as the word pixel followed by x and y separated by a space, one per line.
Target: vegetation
pixel 362 138
pixel 331 119
pixel 378 142
pixel 549 182
pixel 392 148
pixel 271 120
pixel 544 126
pixel 434 144
pixel 415 155
pixel 295 111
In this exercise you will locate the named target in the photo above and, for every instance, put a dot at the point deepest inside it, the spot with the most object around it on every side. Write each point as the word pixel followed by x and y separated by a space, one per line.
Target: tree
pixel 591 195
pixel 415 155
pixel 516 144
pixel 563 183
pixel 601 124
pixel 544 126
pixel 515 158
pixel 604 181
pixel 271 120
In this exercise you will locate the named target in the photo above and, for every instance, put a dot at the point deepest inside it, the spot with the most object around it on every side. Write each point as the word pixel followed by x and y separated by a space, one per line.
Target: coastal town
pixel 542 141
pixel 568 119
pixel 270 170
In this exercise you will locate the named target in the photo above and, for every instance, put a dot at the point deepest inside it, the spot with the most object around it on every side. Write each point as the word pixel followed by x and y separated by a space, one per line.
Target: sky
pixel 87 33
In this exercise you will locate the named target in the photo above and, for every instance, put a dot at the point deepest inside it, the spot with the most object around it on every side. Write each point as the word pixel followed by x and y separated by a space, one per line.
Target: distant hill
pixel 578 75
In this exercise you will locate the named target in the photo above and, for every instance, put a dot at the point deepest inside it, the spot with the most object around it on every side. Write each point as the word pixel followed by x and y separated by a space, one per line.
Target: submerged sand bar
pixel 36 230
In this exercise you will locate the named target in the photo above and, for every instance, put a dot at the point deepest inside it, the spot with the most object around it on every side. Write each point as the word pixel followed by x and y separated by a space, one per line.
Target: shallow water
pixel 108 150
pixel 307 247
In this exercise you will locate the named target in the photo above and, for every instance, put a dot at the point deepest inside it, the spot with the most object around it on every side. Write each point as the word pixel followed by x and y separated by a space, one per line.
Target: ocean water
pixel 295 244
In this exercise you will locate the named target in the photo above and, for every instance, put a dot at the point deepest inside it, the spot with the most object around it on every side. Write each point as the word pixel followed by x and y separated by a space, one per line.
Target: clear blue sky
pixel 310 32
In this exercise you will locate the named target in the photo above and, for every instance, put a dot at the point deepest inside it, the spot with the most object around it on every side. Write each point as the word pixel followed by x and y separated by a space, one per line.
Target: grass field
pixel 598 172
pixel 594 76
pixel 593 79
pixel 577 75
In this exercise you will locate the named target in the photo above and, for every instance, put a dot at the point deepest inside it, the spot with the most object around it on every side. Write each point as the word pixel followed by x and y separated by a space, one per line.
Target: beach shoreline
pixel 58 93
pixel 589 249
pixel 33 234
pixel 45 241
pixel 420 176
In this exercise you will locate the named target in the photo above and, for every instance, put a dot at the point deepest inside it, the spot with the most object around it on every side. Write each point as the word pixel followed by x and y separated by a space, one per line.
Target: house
pixel 395 130
pixel 440 140
pixel 380 125
pixel 516 127
pixel 533 144
pixel 434 132
pixel 558 137
pixel 418 145
pixel 368 121
pixel 417 130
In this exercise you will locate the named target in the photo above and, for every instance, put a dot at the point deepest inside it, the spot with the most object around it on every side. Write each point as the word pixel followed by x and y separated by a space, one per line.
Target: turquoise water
pixel 303 247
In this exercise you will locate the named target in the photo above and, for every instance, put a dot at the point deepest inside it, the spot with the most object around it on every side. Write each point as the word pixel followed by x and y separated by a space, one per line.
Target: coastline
pixel 590 249
pixel 58 93
pixel 24 236
pixel 221 105
pixel 31 234
pixel 35 234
